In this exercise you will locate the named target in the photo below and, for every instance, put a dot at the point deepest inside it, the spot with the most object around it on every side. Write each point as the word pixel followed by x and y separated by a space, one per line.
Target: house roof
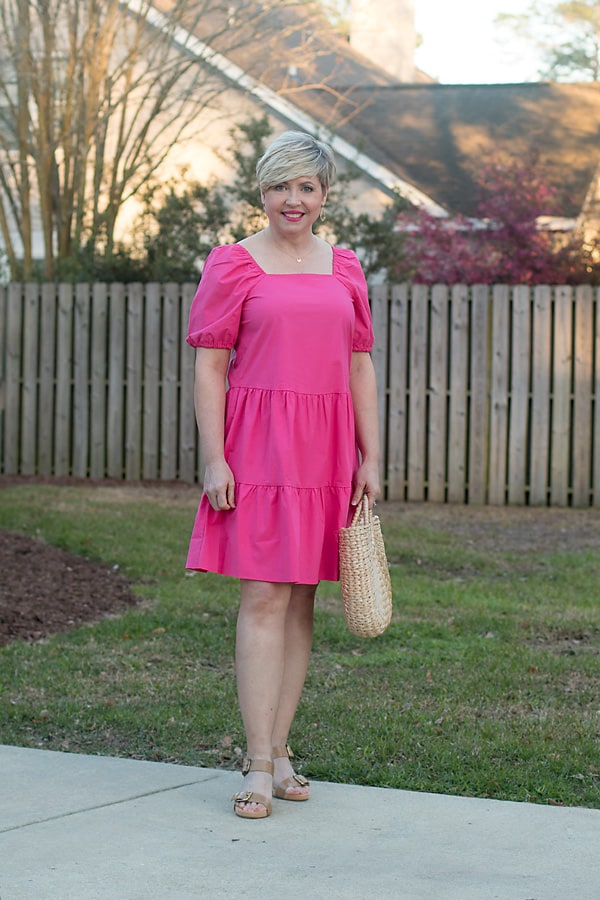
pixel 433 136
pixel 425 136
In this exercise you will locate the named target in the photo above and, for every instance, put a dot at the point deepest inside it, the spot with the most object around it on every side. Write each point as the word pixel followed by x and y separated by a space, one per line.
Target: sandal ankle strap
pixel 283 752
pixel 257 765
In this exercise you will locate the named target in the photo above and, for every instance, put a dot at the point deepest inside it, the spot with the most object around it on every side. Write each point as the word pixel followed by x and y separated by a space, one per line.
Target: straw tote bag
pixel 364 574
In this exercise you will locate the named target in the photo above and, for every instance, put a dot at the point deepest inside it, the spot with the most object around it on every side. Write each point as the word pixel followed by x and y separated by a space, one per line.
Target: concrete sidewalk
pixel 94 828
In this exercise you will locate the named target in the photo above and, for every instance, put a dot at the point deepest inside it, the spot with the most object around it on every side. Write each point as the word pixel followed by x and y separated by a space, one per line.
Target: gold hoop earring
pixel 322 215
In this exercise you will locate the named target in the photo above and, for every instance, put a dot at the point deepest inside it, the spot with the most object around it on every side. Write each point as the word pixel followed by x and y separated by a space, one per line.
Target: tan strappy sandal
pixel 282 790
pixel 246 797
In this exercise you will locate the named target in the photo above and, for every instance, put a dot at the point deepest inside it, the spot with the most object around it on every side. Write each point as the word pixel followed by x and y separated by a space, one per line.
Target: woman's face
pixel 293 206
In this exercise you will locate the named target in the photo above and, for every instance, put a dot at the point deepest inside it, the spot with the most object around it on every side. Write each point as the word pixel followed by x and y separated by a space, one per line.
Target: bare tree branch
pixel 94 94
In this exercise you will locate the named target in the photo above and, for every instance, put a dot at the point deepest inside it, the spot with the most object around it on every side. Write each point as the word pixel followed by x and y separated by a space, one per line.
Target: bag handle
pixel 362 509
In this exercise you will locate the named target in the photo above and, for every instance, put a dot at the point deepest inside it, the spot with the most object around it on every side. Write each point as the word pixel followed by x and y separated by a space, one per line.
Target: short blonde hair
pixel 292 155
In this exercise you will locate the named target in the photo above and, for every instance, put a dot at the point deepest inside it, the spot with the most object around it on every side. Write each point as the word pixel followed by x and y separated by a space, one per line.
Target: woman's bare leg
pixel 260 666
pixel 298 643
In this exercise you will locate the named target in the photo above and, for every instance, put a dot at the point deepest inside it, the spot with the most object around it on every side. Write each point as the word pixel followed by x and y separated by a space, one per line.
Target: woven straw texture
pixel 364 574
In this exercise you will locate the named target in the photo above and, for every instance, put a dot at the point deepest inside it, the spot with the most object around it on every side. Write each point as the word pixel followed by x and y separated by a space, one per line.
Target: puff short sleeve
pixel 217 305
pixel 351 274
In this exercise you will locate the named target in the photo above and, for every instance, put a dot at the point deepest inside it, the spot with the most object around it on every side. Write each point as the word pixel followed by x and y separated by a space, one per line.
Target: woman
pixel 284 318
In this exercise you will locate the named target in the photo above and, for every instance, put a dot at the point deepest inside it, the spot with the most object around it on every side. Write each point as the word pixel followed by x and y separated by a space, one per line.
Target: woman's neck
pixel 298 249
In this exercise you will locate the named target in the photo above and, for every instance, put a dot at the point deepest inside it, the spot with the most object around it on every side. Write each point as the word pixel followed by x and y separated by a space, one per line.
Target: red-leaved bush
pixel 503 244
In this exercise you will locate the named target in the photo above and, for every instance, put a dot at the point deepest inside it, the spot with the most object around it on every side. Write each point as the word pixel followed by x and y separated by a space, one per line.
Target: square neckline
pixel 293 274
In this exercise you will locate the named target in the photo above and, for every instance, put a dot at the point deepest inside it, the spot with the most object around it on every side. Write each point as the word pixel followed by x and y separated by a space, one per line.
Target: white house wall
pixel 206 156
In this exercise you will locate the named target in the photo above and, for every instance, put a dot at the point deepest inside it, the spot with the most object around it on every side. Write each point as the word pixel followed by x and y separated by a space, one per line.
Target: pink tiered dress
pixel 289 423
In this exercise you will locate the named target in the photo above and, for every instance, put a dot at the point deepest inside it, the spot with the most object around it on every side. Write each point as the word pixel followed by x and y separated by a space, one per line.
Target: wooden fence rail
pixel 487 394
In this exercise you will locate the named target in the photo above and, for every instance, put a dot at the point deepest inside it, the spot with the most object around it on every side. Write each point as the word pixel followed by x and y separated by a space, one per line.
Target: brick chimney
pixel 384 32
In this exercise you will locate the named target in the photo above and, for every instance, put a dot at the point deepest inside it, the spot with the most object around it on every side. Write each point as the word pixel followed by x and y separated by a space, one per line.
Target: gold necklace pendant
pixel 299 259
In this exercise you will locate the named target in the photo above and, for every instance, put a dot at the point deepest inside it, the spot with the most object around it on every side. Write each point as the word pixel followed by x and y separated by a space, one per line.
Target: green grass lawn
pixel 486 684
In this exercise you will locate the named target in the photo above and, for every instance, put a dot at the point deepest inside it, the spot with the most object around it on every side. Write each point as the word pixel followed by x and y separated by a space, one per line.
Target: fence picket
pixel 187 421
pixel 438 395
pixel 116 378
pixel 561 396
pixel 540 395
pixel 30 379
pixel 582 400
pixel 47 396
pixel 133 388
pixel 169 378
pixel 64 366
pixel 13 357
pixel 151 406
pixel 3 322
pixel 81 375
pixel 519 395
pixel 478 396
pixel 397 417
pixel 379 314
pixel 457 418
pixel 596 429
pixel 499 395
pixel 98 382
pixel 418 376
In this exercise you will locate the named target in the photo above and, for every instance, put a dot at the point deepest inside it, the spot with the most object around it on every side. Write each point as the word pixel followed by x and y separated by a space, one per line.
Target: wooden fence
pixel 487 394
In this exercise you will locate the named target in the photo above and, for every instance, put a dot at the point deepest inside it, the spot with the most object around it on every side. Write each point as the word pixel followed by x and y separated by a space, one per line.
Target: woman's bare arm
pixel 209 401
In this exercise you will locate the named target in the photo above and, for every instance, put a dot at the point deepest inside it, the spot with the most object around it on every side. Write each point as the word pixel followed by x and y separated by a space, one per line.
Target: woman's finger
pixel 230 495
pixel 359 490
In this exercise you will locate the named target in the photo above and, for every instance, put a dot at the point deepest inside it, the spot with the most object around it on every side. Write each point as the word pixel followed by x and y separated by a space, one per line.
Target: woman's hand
pixel 366 481
pixel 219 486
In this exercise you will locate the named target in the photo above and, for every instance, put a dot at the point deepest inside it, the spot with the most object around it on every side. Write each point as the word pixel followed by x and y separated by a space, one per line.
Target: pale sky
pixel 460 44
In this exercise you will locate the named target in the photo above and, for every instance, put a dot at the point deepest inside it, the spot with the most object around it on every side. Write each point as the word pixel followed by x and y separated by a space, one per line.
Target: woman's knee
pixel 264 598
